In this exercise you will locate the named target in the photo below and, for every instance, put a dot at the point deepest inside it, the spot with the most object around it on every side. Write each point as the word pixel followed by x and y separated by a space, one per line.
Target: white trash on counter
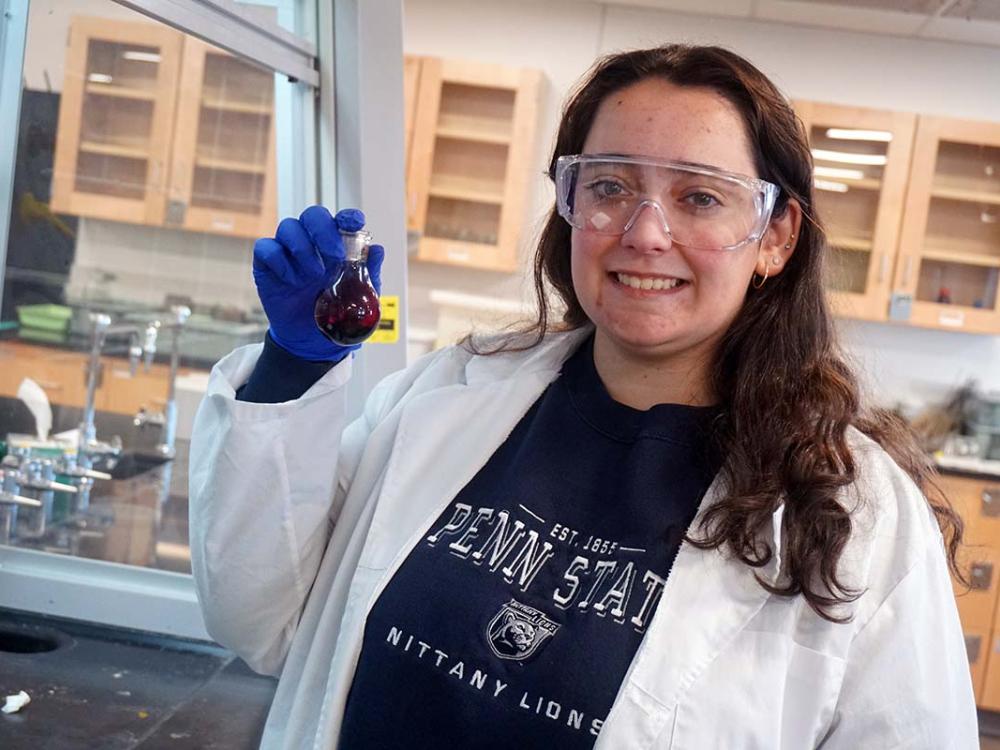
pixel 16 702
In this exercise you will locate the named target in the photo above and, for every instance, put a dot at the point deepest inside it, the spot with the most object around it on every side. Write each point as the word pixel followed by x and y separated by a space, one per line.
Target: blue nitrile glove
pixel 291 270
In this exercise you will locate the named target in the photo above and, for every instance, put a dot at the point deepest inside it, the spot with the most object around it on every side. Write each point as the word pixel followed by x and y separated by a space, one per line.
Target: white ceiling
pixel 970 21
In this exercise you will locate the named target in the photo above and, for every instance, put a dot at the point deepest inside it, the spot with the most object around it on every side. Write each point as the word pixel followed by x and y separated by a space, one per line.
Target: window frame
pixel 346 120
pixel 110 593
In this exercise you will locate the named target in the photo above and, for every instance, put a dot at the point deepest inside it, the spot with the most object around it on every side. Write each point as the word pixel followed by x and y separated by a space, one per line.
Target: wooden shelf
pixel 121 92
pixel 477 129
pixel 466 189
pixel 861 244
pixel 964 258
pixel 246 108
pixel 966 195
pixel 864 183
pixel 112 149
pixel 960 246
pixel 229 165
pixel 463 253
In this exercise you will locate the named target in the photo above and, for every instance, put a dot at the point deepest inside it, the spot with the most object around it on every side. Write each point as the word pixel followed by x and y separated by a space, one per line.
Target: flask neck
pixel 356 245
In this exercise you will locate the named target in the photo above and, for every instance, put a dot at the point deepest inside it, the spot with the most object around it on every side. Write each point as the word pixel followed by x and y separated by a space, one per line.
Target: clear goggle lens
pixel 699 207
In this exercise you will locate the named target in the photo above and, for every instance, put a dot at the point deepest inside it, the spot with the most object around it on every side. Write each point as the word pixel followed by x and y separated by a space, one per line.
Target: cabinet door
pixel 977 646
pixel 950 247
pixel 116 118
pixel 223 174
pixel 473 141
pixel 862 157
pixel 124 393
pixel 60 374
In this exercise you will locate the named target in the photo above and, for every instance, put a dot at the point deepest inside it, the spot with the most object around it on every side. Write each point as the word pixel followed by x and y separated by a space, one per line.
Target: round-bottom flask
pixel 347 312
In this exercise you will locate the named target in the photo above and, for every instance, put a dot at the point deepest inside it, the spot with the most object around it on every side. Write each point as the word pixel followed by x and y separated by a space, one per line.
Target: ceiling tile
pixel 834 16
pixel 975 10
pixel 961 30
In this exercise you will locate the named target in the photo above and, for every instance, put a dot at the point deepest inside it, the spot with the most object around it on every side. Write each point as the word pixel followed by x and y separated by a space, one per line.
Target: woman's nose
pixel 647 230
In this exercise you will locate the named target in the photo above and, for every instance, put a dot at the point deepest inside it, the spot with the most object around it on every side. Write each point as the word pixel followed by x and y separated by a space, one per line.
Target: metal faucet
pixel 167 419
pixel 24 472
pixel 89 445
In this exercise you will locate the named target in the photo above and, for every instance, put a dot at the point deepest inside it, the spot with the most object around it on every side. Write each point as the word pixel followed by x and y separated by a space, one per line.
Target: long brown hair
pixel 786 405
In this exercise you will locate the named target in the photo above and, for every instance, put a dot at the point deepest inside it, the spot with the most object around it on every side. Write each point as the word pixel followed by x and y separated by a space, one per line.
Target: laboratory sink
pixel 18 638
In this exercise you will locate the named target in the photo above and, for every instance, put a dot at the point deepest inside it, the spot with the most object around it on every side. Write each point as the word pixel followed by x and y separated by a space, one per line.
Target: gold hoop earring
pixel 753 282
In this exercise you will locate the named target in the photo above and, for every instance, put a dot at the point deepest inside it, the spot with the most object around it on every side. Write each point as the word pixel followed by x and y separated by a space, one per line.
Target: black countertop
pixel 117 689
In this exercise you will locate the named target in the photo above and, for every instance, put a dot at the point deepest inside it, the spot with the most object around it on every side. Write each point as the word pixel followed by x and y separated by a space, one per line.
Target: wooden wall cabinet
pixel 911 206
pixel 471 149
pixel 162 129
pixel 949 255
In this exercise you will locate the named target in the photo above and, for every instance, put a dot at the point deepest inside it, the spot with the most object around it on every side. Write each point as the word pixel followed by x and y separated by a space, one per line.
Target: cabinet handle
pixel 907 267
pixel 991 506
pixel 981 575
pixel 883 268
pixel 973 643
pixel 50 385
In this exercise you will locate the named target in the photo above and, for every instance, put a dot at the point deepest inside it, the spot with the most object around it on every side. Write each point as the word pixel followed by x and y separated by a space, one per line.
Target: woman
pixel 659 523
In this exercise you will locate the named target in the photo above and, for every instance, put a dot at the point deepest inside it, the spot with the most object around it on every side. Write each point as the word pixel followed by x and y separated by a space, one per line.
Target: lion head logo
pixel 517 630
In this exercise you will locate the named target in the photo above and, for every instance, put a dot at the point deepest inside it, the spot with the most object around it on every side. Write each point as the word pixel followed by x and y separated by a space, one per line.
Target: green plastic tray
pixel 45 317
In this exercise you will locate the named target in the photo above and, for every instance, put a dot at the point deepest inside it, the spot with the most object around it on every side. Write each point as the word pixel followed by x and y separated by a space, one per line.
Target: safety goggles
pixel 698 207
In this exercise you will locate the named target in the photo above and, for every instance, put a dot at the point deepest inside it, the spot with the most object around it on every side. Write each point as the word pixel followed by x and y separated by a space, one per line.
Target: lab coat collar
pixel 548 356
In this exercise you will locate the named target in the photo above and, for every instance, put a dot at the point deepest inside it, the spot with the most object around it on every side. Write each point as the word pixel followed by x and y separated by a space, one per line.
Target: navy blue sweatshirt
pixel 514 620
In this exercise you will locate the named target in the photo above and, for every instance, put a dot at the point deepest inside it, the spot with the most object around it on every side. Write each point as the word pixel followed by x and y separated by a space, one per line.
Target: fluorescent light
pixel 150 57
pixel 851 134
pixel 844 174
pixel 849 158
pixel 99 78
pixel 833 187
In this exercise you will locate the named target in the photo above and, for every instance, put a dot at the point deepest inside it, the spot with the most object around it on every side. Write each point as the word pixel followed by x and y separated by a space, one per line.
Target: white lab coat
pixel 297 524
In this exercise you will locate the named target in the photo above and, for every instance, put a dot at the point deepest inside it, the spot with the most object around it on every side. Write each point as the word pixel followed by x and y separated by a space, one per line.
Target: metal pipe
pixel 101 323
pixel 166 445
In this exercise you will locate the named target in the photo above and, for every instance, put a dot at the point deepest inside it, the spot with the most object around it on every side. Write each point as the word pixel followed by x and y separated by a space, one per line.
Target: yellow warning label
pixel 388 326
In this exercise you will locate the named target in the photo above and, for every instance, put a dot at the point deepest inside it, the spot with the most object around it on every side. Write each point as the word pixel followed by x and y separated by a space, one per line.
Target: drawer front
pixel 977 604
pixel 977 645
pixel 978 502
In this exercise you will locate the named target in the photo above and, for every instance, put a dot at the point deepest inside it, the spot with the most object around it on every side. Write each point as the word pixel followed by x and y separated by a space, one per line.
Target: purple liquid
pixel 348 312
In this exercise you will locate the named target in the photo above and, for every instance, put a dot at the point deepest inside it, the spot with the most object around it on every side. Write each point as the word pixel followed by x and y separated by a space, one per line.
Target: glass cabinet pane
pixel 960 258
pixel 848 174
pixel 235 116
pixel 955 283
pixel 116 119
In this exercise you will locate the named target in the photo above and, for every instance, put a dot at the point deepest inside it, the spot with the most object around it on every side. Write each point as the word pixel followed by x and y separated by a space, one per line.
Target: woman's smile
pixel 646 285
